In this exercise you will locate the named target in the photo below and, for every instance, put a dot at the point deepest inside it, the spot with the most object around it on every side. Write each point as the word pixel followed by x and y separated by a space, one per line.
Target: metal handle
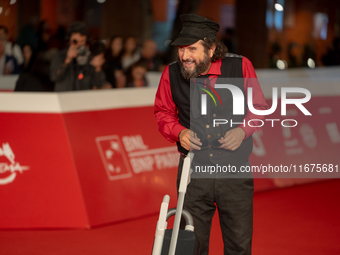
pixel 181 194
pixel 189 221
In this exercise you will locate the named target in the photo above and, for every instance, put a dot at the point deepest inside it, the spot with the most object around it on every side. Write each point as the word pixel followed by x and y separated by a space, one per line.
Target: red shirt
pixel 166 111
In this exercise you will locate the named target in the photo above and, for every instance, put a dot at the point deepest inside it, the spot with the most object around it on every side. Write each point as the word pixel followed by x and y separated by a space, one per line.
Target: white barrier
pixel 105 142
pixel 7 82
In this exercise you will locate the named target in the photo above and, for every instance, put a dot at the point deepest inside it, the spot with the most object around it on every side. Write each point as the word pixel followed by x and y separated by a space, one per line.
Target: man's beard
pixel 201 67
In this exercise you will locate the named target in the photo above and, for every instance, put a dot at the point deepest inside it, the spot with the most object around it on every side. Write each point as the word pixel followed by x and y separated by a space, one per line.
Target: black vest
pixel 231 73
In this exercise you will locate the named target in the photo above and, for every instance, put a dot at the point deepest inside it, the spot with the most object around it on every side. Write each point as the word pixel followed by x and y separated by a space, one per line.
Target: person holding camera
pixel 71 68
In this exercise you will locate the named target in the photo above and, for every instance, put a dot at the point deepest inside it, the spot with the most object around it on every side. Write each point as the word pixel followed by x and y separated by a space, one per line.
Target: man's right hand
pixel 189 140
pixel 72 53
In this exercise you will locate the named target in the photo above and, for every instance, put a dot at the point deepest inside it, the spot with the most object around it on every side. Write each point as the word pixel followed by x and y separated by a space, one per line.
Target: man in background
pixel 8 64
pixel 11 49
pixel 71 68
pixel 149 56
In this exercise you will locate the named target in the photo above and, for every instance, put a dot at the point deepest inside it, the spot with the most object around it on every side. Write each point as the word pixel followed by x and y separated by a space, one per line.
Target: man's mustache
pixel 188 60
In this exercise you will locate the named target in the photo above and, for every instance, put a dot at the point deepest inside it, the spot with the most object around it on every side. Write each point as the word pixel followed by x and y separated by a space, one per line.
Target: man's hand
pixel 232 139
pixel 72 53
pixel 189 140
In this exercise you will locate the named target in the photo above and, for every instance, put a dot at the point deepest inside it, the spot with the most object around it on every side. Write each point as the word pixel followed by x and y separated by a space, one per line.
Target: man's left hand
pixel 232 139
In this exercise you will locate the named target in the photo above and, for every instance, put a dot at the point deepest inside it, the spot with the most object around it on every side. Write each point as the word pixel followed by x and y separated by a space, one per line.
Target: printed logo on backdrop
pixel 8 166
pixel 119 156
pixel 113 157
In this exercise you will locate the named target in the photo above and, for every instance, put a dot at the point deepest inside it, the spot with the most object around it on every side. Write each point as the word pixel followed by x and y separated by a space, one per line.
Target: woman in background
pixel 29 57
pixel 131 53
pixel 113 62
pixel 114 53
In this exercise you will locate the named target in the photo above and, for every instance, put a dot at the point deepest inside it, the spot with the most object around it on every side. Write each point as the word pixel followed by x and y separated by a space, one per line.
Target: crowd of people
pixel 78 63
pixel 10 55
pixel 71 60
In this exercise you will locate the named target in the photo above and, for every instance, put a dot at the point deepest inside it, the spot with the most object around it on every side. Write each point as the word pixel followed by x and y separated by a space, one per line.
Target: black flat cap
pixel 195 28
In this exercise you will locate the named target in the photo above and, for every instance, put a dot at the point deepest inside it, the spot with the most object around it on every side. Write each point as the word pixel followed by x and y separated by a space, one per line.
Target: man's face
pixel 149 49
pixel 194 60
pixel 78 39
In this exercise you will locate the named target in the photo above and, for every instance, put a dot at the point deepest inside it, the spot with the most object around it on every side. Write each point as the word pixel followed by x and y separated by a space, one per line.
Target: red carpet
pixel 301 220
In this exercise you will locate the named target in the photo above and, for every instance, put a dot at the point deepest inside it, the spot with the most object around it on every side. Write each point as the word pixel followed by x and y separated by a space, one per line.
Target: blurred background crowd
pixel 123 40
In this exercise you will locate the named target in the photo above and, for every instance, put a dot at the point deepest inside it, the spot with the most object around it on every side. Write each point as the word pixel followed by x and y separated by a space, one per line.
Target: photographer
pixel 70 68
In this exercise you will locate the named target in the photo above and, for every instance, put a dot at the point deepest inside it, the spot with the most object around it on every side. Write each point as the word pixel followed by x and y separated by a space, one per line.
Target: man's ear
pixel 212 50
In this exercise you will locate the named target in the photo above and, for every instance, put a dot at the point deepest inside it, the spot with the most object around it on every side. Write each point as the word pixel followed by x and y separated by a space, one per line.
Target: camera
pixel 83 55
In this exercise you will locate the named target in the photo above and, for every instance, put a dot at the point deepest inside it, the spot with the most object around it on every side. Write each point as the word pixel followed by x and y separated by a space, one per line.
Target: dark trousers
pixel 233 198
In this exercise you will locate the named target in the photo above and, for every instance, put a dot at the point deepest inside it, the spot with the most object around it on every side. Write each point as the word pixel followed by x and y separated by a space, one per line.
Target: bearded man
pixel 202 60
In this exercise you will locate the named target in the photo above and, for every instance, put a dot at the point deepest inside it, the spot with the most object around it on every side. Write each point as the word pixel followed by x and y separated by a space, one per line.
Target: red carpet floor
pixel 301 220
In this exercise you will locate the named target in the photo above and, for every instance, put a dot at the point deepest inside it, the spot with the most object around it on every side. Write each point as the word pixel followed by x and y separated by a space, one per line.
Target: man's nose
pixel 186 54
